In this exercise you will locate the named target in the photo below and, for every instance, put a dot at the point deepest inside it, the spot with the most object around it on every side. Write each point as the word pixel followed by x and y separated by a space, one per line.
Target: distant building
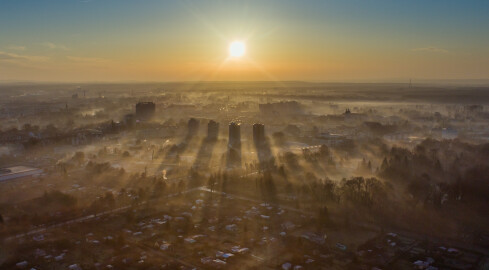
pixel 292 130
pixel 145 110
pixel 129 120
pixel 85 136
pixel 193 126
pixel 212 130
pixel 473 108
pixel 449 133
pixel 281 108
pixel 18 172
pixel 258 134
pixel 330 139
pixel 234 135
pixel 181 108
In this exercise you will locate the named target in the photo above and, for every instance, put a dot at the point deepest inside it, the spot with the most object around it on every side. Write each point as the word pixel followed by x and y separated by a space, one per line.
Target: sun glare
pixel 237 49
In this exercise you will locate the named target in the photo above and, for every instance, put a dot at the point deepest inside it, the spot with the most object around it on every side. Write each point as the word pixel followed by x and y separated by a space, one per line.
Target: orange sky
pixel 286 40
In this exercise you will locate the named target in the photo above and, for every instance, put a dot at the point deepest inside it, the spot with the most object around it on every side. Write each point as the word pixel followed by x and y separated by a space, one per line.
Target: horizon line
pixel 353 81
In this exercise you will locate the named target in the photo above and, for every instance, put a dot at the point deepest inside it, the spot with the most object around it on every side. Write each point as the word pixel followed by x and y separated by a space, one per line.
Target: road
pixel 89 217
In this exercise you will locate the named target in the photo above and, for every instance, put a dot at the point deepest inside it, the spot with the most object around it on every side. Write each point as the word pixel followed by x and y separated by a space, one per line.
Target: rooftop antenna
pixel 410 84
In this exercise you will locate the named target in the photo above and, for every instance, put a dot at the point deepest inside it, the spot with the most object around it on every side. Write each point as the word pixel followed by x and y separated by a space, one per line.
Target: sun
pixel 237 49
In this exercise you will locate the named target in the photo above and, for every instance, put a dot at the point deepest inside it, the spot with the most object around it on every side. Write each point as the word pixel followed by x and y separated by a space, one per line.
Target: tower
pixel 258 134
pixel 234 145
pixel 193 126
pixel 234 135
pixel 212 130
pixel 145 110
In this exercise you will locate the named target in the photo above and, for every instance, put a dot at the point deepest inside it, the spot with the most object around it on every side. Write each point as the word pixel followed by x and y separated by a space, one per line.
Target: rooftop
pixel 17 171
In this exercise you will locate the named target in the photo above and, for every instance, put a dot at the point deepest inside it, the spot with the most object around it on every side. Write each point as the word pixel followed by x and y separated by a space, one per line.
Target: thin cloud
pixel 87 60
pixel 16 48
pixel 430 49
pixel 53 46
pixel 93 63
pixel 5 56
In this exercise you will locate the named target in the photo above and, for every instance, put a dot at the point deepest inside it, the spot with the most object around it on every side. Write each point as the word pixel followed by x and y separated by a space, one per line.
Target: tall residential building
pixel 193 126
pixel 259 134
pixel 234 135
pixel 145 110
pixel 212 130
pixel 234 145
